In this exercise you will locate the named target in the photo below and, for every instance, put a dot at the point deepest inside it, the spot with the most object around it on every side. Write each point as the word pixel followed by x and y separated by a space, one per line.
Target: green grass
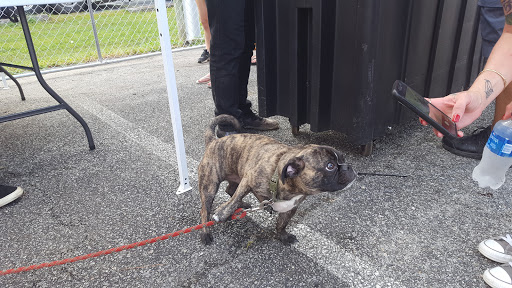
pixel 65 40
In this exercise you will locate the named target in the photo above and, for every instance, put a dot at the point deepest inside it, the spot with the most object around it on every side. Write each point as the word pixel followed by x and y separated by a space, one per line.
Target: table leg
pixel 39 76
pixel 2 69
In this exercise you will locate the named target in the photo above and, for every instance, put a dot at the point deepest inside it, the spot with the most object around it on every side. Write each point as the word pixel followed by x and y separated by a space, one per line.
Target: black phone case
pixel 399 90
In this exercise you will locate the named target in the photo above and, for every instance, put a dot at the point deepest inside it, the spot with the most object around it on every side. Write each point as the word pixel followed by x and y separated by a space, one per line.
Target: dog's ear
pixel 292 168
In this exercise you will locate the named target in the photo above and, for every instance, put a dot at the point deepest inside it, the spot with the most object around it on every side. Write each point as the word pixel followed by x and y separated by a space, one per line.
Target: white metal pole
pixel 172 93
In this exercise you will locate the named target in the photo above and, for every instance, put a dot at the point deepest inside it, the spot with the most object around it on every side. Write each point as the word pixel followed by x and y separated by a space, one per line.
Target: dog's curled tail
pixel 223 119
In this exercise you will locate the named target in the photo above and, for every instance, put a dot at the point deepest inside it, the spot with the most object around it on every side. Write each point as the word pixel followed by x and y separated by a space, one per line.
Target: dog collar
pixel 274 185
pixel 278 205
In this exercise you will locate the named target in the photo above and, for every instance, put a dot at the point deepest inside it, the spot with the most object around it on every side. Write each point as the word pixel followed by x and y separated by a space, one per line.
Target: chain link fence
pixel 95 31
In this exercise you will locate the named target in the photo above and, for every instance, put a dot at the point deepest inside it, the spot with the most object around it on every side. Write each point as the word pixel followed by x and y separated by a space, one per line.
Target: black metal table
pixel 62 105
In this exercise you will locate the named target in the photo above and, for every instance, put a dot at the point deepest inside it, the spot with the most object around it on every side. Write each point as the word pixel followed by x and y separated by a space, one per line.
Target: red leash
pixel 236 215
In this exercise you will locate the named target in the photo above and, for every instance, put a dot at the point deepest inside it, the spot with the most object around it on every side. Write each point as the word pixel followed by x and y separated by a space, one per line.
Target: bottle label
pixel 499 145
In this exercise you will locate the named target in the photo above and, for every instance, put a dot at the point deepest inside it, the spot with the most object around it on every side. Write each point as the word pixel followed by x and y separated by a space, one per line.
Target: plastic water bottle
pixel 497 157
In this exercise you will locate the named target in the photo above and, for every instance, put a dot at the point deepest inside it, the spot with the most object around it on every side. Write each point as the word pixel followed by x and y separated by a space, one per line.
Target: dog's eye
pixel 330 166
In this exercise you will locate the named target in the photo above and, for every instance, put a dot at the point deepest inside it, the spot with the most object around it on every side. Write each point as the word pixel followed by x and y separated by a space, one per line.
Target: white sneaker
pixel 9 194
pixel 498 249
pixel 499 277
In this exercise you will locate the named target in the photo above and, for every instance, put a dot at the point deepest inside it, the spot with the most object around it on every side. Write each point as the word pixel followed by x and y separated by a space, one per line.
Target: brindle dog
pixel 249 161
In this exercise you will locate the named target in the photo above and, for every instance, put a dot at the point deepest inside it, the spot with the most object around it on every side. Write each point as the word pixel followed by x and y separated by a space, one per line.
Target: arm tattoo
pixel 488 88
pixel 507 8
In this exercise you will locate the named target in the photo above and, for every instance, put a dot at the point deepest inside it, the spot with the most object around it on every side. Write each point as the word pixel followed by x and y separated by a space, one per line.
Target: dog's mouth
pixel 348 175
pixel 349 184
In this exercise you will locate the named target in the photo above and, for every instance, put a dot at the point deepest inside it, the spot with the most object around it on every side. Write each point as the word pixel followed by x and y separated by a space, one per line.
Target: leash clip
pixel 264 204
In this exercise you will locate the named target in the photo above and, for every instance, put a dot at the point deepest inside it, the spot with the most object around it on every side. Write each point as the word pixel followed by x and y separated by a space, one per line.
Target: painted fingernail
pixel 456 118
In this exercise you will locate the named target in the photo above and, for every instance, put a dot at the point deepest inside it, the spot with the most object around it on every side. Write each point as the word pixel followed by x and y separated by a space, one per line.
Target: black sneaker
pixel 205 57
pixel 253 121
pixel 9 194
pixel 471 146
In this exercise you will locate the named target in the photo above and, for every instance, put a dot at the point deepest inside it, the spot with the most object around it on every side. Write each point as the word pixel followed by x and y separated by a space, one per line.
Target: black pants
pixel 233 33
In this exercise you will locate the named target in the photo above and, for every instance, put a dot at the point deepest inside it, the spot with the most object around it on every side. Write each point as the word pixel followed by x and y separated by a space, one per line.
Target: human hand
pixel 463 107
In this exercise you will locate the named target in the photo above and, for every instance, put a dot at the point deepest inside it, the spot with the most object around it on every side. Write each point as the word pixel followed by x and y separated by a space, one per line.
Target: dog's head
pixel 318 169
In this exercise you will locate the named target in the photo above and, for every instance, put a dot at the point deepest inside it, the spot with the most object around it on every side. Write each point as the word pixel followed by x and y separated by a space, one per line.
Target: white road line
pixel 343 264
pixel 166 151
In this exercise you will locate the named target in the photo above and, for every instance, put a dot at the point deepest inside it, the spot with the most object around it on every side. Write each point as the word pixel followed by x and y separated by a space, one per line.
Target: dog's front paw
pixel 206 238
pixel 220 216
pixel 287 238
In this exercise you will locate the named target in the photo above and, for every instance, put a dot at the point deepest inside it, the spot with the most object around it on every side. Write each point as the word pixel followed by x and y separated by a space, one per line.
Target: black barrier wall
pixel 332 63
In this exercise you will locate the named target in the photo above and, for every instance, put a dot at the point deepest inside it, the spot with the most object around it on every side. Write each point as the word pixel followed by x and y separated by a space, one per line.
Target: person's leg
pixel 203 17
pixel 9 194
pixel 226 20
pixel 233 33
pixel 244 69
pixel 249 118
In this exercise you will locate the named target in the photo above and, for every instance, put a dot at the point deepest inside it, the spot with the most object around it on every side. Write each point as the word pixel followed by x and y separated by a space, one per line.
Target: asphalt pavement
pixel 418 228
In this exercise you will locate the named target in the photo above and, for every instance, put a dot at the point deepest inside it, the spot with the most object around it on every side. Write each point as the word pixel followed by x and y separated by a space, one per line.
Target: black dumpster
pixel 332 63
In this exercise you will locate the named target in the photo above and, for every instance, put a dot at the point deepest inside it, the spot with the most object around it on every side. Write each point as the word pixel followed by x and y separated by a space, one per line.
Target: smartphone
pixel 423 108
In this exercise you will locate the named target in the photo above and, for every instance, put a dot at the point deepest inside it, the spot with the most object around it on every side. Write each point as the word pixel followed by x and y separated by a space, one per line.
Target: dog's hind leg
pixel 207 191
